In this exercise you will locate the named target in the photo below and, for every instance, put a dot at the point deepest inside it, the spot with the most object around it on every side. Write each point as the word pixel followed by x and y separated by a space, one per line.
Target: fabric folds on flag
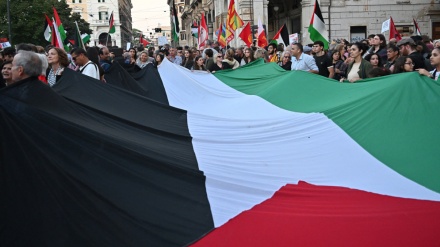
pixel 317 27
pixel 85 38
pixel 246 35
pixel 142 40
pixel 221 36
pixel 56 36
pixel 261 38
pixel 195 29
pixel 175 27
pixel 111 24
pixel 416 28
pixel 47 28
pixel 255 156
pixel 281 37
pixel 203 33
pixel 61 32
pixel 234 21
pixel 78 39
pixel 393 31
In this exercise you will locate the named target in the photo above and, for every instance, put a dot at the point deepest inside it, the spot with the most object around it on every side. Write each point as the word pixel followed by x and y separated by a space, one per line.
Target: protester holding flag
pixel 6 74
pixel 58 61
pixel 86 67
pixel 407 47
pixel 360 67
pixel 248 56
pixel 403 64
pixel 199 64
pixel 188 59
pixel 435 62
pixel 229 62
pixel 285 61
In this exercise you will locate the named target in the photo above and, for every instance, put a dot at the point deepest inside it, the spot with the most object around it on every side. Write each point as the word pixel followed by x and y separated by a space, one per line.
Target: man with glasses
pixel 26 66
pixel 86 67
pixel 407 47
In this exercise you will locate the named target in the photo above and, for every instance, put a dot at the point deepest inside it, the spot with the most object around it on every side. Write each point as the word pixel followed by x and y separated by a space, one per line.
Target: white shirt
pixel 305 63
pixel 90 69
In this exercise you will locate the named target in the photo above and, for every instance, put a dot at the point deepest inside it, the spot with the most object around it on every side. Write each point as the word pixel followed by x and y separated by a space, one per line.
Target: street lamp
pixel 276 8
pixel 9 21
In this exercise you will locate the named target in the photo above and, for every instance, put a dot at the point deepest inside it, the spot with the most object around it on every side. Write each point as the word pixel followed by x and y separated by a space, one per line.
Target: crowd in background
pixel 343 61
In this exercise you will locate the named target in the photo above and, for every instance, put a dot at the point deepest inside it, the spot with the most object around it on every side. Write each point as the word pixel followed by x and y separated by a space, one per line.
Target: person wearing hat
pixel 307 49
pixel 407 47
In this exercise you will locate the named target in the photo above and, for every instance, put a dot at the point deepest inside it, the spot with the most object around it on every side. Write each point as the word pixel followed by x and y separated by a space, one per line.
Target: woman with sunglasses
pixel 218 65
pixel 286 62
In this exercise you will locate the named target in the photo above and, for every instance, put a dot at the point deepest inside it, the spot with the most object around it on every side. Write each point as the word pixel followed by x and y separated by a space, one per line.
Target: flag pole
pixel 109 28
pixel 79 33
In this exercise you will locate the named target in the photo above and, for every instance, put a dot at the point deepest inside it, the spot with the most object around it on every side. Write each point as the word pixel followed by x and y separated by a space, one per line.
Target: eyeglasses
pixel 412 64
pixel 73 58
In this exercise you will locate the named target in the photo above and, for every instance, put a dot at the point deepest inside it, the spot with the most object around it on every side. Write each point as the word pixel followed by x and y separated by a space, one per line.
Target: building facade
pixel 97 13
pixel 352 20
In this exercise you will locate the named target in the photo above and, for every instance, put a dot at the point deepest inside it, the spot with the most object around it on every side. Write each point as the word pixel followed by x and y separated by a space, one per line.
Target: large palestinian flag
pixel 257 156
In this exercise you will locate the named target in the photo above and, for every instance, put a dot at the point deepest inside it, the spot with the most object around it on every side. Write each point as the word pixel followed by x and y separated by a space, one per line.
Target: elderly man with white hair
pixel 26 66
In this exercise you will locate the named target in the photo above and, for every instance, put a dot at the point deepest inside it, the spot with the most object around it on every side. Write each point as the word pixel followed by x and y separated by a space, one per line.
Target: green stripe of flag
pixel 395 118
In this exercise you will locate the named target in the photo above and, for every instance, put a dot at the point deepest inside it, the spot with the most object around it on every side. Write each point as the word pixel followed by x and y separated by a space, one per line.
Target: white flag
pixel 386 26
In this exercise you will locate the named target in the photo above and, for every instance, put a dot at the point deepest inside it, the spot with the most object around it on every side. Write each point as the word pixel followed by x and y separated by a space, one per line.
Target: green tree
pixel 27 20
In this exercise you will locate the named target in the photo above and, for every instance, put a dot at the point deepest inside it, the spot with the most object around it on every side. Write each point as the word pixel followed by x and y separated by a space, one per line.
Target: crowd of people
pixel 343 61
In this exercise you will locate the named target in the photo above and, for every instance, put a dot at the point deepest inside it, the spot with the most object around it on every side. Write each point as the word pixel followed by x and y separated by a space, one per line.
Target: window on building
pixel 358 33
pixel 405 30
pixel 103 15
pixel 183 35
pixel 101 1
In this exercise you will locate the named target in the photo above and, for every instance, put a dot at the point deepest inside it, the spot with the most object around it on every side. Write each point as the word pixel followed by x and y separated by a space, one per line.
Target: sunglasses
pixel 73 58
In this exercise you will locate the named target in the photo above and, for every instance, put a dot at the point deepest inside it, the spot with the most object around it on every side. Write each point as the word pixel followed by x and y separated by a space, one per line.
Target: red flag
pixel 393 31
pixel 143 41
pixel 246 35
pixel 203 33
pixel 261 39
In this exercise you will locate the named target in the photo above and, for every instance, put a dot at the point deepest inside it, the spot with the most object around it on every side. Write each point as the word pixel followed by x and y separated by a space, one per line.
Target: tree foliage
pixel 27 20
